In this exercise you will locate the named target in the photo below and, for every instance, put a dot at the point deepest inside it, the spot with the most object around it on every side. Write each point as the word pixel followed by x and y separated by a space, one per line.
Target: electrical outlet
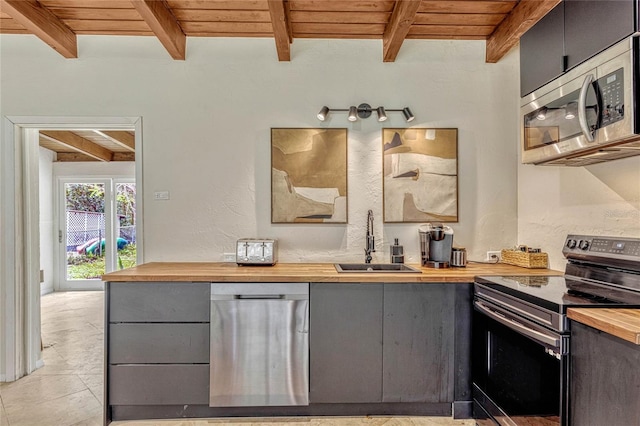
pixel 493 256
pixel 229 257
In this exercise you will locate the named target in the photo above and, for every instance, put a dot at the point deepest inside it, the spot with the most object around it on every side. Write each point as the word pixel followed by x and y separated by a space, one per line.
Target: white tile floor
pixel 68 390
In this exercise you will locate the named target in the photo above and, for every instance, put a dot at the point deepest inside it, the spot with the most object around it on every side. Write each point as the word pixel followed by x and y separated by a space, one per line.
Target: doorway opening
pixel 20 268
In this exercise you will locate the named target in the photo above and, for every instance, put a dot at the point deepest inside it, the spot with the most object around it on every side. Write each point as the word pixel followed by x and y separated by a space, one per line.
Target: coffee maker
pixel 436 243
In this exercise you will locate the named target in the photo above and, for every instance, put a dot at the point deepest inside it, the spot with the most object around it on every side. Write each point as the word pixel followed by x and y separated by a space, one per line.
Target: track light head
pixel 322 115
pixel 408 115
pixel 353 113
pixel 382 115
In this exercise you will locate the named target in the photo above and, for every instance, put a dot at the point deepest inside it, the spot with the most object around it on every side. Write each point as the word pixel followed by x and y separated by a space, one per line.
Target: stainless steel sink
pixel 375 267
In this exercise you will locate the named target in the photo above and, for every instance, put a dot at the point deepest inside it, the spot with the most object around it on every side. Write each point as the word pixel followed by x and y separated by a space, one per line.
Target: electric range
pixel 521 334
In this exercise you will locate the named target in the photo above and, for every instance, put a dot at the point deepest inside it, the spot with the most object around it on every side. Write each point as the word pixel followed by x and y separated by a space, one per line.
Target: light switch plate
pixel 161 195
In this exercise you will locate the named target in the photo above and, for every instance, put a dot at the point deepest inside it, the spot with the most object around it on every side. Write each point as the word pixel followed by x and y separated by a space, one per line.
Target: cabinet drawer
pixel 159 302
pixel 159 343
pixel 166 384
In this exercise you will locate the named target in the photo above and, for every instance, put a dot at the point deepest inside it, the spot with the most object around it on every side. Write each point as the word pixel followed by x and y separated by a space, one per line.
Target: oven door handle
pixel 582 108
pixel 543 338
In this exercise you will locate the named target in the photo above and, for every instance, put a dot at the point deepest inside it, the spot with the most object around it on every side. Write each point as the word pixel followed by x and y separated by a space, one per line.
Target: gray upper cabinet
pixel 419 337
pixel 345 332
pixel 541 51
pixel 574 31
pixel 592 26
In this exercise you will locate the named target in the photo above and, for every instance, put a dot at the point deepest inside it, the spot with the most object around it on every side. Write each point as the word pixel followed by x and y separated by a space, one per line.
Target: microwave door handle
pixel 582 108
pixel 535 335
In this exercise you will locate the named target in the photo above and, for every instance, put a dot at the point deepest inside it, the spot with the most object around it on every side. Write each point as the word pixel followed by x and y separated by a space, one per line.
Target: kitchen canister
pixel 458 256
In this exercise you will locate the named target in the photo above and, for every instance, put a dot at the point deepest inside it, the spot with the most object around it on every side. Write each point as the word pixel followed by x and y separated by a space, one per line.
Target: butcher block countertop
pixel 622 323
pixel 306 272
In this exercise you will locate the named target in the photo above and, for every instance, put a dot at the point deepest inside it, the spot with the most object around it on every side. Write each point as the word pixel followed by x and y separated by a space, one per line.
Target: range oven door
pixel 520 369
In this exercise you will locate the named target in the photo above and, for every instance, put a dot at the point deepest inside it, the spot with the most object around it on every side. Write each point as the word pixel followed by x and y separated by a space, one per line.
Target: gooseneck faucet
pixel 370 243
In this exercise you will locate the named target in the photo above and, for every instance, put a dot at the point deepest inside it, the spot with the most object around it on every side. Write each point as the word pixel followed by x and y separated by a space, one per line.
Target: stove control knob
pixel 583 245
pixel 571 243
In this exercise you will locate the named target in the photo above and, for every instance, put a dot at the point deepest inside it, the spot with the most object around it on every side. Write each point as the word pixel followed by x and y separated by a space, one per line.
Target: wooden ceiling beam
pixel 281 28
pixel 73 157
pixel 78 143
pixel 404 13
pixel 164 25
pixel 44 24
pixel 521 18
pixel 124 139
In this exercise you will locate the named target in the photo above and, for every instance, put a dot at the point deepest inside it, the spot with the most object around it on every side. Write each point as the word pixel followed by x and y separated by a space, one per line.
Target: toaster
pixel 257 251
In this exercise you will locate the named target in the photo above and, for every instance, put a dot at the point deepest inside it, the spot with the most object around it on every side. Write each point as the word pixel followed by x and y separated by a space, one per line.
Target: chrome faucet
pixel 370 243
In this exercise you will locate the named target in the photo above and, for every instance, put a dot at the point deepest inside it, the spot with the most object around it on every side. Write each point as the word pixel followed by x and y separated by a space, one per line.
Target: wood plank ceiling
pixel 58 22
pixel 89 145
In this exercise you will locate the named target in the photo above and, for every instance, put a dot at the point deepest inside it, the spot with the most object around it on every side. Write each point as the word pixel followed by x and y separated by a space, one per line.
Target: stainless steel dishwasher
pixel 259 344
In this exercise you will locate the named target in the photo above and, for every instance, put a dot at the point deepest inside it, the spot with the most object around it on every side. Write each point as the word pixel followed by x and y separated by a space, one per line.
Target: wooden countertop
pixel 306 272
pixel 619 322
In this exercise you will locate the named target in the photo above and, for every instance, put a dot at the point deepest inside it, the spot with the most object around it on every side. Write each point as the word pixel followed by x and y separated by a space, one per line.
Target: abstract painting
pixel 420 175
pixel 309 175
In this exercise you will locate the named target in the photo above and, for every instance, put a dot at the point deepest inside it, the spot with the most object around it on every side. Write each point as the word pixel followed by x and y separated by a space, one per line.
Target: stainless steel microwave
pixel 589 114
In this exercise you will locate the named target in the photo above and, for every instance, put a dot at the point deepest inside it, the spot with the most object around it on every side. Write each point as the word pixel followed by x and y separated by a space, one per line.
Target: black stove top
pixel 601 272
pixel 555 293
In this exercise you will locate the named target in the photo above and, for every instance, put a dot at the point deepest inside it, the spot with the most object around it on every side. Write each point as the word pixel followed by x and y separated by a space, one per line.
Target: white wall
pixel 603 199
pixel 45 190
pixel 206 135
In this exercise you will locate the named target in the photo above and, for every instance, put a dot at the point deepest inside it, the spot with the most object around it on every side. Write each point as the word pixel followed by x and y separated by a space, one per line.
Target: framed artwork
pixel 309 175
pixel 420 175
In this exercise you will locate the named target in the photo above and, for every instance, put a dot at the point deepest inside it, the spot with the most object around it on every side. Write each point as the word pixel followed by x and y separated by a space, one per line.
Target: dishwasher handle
pixel 259 296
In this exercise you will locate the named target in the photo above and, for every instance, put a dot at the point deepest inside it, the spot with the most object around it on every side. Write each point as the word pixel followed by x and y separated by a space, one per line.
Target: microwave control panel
pixel 612 91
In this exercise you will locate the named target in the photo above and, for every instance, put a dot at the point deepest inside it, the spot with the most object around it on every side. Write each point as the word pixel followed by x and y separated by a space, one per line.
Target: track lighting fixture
pixel 365 110
pixel 322 115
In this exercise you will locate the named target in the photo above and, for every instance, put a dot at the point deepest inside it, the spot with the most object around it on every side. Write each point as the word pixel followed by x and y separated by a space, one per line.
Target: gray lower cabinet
pixel 159 302
pixel 605 379
pixel 391 343
pixel 345 343
pixel 157 339
pixel 159 343
pixel 419 337
pixel 379 348
pixel 163 384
